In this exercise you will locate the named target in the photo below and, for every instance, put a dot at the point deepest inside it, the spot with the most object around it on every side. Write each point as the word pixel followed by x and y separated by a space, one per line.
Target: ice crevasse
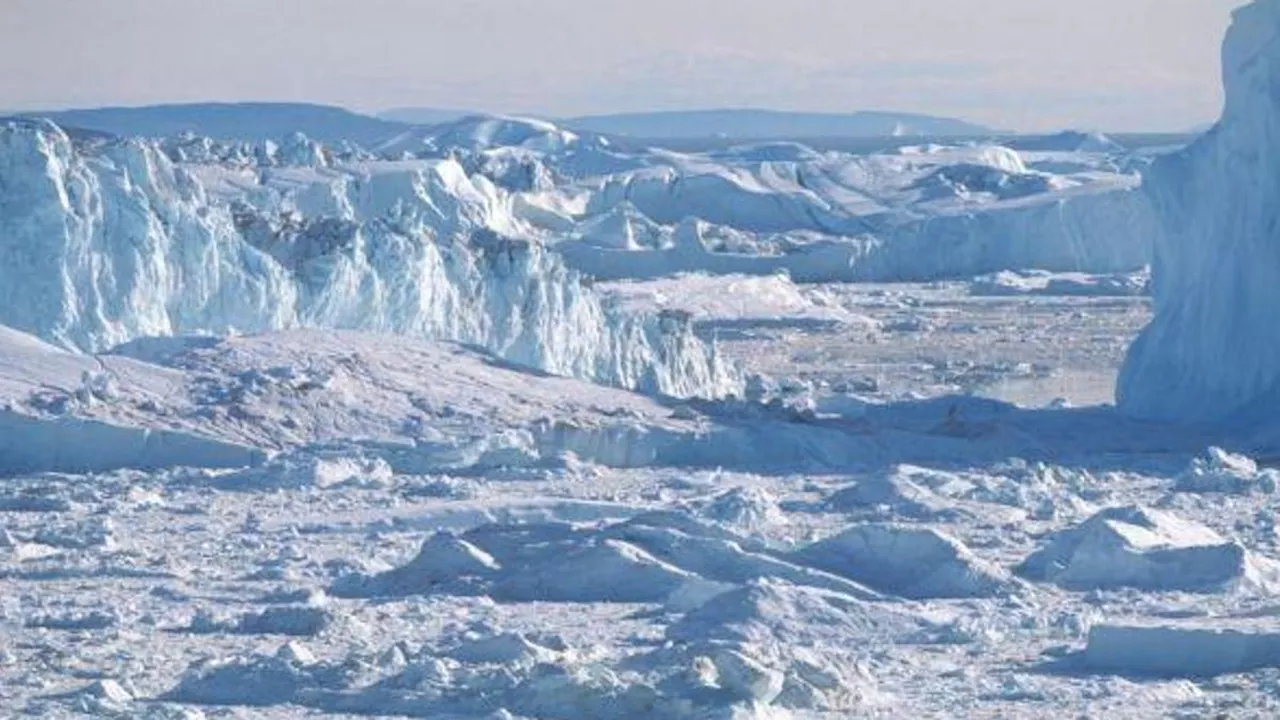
pixel 1212 351
pixel 102 242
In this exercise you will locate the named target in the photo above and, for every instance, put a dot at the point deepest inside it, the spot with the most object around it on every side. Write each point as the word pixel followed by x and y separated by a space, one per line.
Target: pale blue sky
pixel 1022 64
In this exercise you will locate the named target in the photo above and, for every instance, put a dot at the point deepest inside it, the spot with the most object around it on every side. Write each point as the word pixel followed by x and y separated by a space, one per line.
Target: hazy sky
pixel 1020 64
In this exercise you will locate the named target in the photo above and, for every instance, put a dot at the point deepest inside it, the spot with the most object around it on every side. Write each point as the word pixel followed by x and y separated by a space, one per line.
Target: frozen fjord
pixel 319 521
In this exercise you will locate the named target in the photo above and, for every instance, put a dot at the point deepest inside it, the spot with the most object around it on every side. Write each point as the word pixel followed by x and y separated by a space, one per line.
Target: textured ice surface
pixel 321 522
pixel 918 213
pixel 1219 471
pixel 1040 282
pixel 911 562
pixel 1210 353
pixel 417 528
pixel 1143 548
pixel 104 245
pixel 220 403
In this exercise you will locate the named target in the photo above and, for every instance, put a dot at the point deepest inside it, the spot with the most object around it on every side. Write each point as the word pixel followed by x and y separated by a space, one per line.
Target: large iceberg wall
pixel 1212 352
pixel 865 219
pixel 100 245
pixel 1104 231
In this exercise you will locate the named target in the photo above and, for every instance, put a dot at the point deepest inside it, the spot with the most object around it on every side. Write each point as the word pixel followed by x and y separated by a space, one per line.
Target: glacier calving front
pixel 103 244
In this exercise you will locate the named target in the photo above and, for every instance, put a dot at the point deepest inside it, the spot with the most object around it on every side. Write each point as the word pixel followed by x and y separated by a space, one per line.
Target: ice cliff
pixel 1212 353
pixel 104 242
pixel 915 215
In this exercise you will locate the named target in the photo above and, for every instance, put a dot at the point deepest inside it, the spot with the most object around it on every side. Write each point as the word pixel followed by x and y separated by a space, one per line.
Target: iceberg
pixel 103 243
pixel 1211 354
pixel 922 214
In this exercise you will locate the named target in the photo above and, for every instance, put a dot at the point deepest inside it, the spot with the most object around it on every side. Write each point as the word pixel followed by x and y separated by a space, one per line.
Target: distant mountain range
pixel 745 124
pixel 259 121
pixel 772 124
pixel 425 116
pixel 231 121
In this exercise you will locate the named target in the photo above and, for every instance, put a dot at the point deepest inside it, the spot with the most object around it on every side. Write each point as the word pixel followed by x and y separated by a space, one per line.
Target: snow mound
pixel 1148 549
pixel 605 571
pixel 894 495
pixel 721 556
pixel 296 620
pixel 257 680
pixel 747 508
pixel 443 562
pixel 1209 354
pixel 911 562
pixel 502 648
pixel 807 649
pixel 293 472
pixel 1219 471
pixel 660 558
pixel 1188 649
pixel 421 250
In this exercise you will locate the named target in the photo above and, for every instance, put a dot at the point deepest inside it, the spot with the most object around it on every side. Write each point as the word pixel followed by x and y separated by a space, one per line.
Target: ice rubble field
pixel 496 420
pixel 320 523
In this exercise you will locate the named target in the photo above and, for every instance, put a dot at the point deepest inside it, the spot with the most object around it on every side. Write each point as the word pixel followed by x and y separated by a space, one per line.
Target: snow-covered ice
pixel 1139 547
pixel 495 419
pixel 108 244
pixel 906 561
pixel 421 528
pixel 1181 649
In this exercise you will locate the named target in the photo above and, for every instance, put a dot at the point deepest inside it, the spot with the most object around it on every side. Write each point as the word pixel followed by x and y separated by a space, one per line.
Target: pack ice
pixel 498 420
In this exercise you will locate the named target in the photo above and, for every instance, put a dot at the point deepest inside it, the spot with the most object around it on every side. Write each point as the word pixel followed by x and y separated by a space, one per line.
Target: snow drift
pixel 1211 352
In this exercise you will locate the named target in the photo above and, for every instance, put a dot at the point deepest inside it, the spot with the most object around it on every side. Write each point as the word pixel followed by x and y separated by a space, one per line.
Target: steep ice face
pixel 1211 353
pixel 930 212
pixel 298 149
pixel 96 251
pixel 104 247
pixel 295 149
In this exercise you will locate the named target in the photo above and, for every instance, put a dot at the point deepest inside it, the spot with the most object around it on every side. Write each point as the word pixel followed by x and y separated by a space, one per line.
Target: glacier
pixel 1210 354
pixel 291 424
pixel 103 242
